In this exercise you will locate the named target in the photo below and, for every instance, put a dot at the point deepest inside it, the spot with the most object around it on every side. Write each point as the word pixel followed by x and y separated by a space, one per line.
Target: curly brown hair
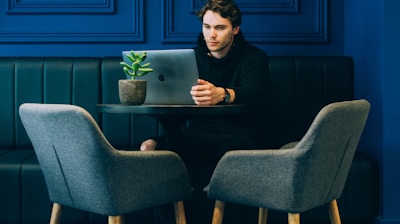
pixel 226 8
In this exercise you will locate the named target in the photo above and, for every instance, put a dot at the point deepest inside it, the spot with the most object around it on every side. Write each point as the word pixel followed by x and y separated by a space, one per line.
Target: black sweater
pixel 245 70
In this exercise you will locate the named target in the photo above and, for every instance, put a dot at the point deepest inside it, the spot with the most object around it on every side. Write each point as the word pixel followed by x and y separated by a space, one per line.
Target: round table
pixel 172 110
pixel 173 117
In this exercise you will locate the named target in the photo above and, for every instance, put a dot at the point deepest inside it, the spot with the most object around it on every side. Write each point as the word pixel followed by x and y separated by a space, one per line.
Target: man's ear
pixel 236 30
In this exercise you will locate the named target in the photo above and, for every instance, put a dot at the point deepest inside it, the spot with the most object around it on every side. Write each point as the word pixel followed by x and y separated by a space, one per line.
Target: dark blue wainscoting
pixel 106 27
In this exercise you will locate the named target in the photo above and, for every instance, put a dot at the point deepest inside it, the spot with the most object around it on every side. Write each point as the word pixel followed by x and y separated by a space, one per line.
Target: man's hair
pixel 225 8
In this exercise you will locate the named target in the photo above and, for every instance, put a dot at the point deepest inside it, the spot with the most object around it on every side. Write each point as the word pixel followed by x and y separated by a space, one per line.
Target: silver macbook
pixel 175 72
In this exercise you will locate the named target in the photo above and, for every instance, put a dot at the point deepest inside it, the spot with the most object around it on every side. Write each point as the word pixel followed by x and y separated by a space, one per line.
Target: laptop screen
pixel 174 73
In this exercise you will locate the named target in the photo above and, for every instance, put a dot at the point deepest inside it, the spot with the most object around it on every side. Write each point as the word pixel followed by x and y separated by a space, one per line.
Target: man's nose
pixel 213 33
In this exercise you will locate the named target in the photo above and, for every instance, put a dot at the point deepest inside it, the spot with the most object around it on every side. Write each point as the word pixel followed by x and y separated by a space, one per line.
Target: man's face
pixel 218 33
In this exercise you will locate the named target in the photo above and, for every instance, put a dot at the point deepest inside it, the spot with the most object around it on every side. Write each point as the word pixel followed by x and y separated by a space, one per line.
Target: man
pixel 231 72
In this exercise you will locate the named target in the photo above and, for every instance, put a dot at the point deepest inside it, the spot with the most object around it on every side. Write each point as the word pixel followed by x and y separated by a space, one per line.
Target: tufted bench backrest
pixel 80 81
pixel 298 88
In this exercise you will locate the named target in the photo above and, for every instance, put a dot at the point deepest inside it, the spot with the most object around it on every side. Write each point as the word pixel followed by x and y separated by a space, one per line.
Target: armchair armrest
pixel 162 176
pixel 231 181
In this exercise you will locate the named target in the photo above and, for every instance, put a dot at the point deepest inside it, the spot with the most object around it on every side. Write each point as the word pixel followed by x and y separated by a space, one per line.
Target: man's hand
pixel 205 93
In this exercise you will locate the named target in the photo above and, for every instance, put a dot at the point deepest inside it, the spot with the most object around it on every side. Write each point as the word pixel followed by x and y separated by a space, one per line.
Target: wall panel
pixel 71 21
pixel 257 6
pixel 268 21
pixel 60 6
pixel 106 27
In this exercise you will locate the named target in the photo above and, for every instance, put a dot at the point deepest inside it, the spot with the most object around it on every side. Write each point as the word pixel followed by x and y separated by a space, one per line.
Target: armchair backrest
pixel 72 152
pixel 83 170
pixel 299 176
pixel 325 153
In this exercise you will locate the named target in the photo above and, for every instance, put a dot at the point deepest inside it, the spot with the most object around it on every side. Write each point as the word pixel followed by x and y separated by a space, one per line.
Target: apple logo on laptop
pixel 161 77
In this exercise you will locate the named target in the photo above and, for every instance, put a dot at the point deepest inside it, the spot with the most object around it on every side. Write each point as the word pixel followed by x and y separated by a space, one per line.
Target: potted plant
pixel 133 91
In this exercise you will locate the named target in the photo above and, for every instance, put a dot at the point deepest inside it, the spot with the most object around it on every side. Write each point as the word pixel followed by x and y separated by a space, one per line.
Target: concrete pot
pixel 132 92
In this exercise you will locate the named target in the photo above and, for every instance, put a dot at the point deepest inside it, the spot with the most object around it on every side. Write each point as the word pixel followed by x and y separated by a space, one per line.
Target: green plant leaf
pixel 136 59
pixel 146 65
pixel 147 70
pixel 125 65
pixel 131 58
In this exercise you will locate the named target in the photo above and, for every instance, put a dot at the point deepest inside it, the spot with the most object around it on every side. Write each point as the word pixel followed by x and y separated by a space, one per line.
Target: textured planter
pixel 132 91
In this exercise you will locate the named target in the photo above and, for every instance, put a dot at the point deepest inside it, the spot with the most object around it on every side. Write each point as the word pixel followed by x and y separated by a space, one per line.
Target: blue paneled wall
pixel 371 38
pixel 366 30
pixel 106 27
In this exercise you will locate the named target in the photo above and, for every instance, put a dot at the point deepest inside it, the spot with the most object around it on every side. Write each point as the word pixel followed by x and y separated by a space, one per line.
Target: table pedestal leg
pixel 172 126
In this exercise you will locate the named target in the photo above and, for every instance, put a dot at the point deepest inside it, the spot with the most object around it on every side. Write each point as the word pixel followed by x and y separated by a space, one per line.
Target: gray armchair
pixel 293 180
pixel 82 169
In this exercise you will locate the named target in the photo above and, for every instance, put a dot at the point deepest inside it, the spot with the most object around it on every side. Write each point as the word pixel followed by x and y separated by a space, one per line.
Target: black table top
pixel 172 109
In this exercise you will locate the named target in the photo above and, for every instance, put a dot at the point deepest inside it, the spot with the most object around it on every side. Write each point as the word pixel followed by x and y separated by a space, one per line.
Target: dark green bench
pixel 299 87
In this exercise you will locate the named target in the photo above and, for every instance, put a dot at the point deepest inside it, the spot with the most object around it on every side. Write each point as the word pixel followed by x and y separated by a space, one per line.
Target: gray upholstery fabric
pixel 84 171
pixel 300 176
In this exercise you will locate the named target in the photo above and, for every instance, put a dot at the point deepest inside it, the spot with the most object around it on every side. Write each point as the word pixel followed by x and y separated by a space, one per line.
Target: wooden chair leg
pixel 334 212
pixel 55 213
pixel 218 214
pixel 262 215
pixel 294 218
pixel 119 219
pixel 180 216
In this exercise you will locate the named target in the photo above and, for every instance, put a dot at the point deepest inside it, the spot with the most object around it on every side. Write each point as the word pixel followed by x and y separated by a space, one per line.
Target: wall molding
pixel 318 34
pixel 265 7
pixel 315 31
pixel 30 7
pixel 81 28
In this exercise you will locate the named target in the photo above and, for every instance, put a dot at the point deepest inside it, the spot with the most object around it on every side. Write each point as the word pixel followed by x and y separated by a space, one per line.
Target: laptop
pixel 174 73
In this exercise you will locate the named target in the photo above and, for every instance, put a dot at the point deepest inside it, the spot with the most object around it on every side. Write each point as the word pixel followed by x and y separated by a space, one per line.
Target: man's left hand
pixel 206 93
